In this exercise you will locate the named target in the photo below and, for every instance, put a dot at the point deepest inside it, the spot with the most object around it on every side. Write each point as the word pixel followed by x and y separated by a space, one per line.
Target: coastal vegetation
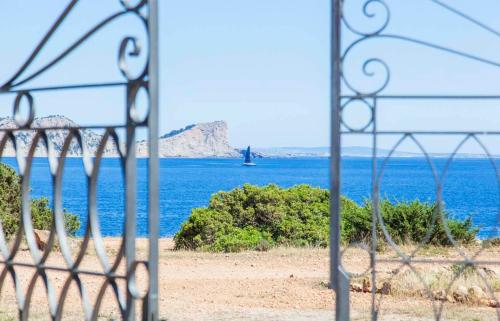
pixel 257 218
pixel 10 206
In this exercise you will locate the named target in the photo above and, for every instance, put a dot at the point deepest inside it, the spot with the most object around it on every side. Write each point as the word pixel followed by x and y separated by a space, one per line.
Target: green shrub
pixel 406 222
pixel 41 214
pixel 10 200
pixel 10 206
pixel 356 221
pixel 238 239
pixel 202 228
pixel 253 217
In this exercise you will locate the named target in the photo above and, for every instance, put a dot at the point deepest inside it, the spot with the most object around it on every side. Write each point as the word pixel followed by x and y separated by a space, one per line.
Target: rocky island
pixel 194 141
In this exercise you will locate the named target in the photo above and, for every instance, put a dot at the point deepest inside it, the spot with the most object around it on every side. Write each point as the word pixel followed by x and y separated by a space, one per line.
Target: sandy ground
pixel 281 284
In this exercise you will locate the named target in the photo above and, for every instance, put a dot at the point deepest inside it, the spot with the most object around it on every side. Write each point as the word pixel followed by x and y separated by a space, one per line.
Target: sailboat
pixel 248 158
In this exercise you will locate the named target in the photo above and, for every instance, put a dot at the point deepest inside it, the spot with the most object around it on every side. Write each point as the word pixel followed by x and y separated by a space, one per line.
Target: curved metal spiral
pixel 378 34
pixel 26 128
pixel 367 69
pixel 122 57
pixel 369 11
pixel 16 80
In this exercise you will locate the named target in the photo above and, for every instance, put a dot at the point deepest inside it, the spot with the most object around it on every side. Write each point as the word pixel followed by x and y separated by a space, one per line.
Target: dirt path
pixel 281 284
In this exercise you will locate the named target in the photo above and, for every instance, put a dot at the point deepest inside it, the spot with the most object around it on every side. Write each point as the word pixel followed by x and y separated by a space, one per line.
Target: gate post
pixel 153 179
pixel 338 279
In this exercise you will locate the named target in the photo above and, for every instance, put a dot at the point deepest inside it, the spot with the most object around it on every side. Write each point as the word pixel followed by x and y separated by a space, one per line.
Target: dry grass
pixel 408 283
pixel 281 284
pixel 436 282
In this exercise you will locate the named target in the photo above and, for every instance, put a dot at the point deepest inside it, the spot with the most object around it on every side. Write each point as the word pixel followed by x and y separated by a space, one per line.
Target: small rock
pixel 291 276
pixel 475 293
pixel 440 295
pixel 385 288
pixel 493 303
pixel 356 287
pixel 460 294
pixel 450 298
pixel 41 239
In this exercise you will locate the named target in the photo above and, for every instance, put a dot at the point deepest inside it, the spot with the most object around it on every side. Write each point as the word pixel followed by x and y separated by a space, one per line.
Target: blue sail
pixel 248 158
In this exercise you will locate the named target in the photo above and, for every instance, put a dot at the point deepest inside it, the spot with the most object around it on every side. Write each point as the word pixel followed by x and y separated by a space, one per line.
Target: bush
pixel 254 217
pixel 406 222
pixel 10 206
pixel 257 218
pixel 10 200
pixel 238 239
pixel 41 214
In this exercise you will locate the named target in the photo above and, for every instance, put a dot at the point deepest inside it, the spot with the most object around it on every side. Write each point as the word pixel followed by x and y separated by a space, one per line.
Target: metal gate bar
pixel 339 280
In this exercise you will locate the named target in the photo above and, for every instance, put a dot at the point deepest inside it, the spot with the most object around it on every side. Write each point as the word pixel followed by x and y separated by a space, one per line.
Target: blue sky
pixel 263 66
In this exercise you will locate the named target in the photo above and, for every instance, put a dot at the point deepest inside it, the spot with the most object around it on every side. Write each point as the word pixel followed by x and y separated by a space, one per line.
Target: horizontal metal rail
pixel 65 87
pixel 439 261
pixel 63 269
pixel 421 132
pixel 423 97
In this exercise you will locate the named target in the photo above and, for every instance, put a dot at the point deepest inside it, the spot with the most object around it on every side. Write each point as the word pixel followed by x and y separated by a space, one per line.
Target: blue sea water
pixel 470 188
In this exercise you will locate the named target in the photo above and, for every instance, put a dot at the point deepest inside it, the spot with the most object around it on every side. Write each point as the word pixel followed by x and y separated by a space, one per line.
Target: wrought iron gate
pixel 346 93
pixel 18 87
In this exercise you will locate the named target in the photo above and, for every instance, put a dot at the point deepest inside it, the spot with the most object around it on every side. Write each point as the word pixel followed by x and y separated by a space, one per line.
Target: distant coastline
pixel 353 151
pixel 201 140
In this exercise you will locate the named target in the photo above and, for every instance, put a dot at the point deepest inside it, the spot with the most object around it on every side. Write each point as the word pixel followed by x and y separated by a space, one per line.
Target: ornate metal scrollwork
pixel 24 115
pixel 369 10
pixel 354 73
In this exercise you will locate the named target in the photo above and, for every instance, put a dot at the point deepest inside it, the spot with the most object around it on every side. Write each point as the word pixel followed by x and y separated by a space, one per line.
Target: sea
pixel 470 187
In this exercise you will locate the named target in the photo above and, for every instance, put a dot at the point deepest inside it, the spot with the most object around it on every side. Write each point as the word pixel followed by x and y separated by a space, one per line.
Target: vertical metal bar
pixel 152 309
pixel 373 252
pixel 130 201
pixel 339 280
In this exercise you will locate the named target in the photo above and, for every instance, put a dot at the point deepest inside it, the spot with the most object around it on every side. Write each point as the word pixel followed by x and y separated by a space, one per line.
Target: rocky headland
pixel 195 141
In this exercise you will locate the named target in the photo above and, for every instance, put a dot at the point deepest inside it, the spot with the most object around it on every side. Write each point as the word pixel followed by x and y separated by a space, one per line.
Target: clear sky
pixel 263 65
